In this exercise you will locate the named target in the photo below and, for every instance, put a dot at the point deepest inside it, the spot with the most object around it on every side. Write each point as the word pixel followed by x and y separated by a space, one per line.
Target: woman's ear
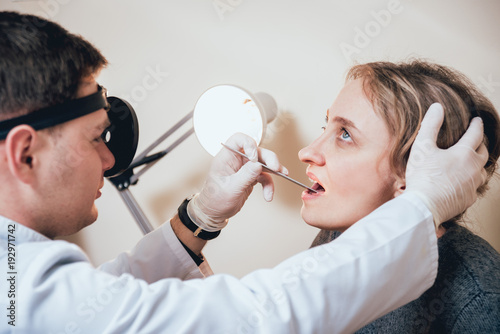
pixel 19 150
pixel 399 186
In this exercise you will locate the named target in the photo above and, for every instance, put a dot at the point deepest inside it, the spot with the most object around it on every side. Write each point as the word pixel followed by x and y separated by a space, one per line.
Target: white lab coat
pixel 384 261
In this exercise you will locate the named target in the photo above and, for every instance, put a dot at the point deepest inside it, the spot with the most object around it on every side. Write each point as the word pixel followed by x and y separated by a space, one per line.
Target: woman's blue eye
pixel 345 135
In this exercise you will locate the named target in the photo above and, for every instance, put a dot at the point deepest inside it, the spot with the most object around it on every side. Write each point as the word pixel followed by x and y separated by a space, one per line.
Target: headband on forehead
pixel 59 113
pixel 121 137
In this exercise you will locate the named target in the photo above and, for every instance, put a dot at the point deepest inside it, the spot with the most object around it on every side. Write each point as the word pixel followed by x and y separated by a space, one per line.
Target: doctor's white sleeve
pixel 157 255
pixel 382 262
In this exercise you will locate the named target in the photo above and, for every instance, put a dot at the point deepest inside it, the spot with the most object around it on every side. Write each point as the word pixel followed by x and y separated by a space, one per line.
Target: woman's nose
pixel 312 154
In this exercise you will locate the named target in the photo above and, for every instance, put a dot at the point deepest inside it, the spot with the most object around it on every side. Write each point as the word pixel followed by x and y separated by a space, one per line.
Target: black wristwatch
pixel 197 231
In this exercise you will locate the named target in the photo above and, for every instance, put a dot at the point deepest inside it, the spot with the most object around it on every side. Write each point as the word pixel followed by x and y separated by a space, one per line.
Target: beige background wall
pixel 164 54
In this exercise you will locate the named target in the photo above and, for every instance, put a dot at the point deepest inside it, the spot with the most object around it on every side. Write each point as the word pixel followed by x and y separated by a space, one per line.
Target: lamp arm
pixel 135 177
pixel 163 137
pixel 126 179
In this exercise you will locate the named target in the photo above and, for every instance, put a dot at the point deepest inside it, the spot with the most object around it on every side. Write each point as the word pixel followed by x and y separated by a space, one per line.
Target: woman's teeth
pixel 318 187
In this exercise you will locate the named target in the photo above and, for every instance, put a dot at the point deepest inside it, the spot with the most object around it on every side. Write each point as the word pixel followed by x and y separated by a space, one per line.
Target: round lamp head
pixel 224 110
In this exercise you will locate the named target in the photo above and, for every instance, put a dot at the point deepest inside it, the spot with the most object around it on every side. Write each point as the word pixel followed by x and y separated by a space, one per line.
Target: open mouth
pixel 318 187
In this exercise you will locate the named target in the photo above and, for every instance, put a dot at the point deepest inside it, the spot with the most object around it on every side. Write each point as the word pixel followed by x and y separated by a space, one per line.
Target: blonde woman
pixel 359 163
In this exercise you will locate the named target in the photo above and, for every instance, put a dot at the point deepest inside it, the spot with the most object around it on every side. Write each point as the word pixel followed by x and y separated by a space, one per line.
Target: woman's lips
pixel 307 194
pixel 320 190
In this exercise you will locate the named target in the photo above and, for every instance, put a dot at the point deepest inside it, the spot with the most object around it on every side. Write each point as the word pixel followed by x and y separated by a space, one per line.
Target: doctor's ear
pixel 19 151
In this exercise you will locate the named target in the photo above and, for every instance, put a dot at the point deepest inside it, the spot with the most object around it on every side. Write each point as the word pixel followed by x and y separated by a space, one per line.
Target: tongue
pixel 318 187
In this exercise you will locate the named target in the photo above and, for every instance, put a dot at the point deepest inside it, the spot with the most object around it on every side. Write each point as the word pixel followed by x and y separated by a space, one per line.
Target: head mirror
pixel 225 110
pixel 122 136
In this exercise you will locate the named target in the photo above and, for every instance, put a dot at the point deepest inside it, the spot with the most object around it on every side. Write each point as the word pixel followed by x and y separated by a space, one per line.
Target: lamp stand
pixel 128 178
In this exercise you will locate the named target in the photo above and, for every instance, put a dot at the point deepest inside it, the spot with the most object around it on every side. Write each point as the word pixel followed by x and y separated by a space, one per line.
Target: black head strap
pixel 59 113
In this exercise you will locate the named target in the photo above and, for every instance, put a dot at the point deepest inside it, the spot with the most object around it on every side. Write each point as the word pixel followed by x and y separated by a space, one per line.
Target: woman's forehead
pixel 351 103
pixel 353 108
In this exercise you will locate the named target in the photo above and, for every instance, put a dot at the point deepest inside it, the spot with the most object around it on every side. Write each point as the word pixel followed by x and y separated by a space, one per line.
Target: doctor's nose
pixel 107 158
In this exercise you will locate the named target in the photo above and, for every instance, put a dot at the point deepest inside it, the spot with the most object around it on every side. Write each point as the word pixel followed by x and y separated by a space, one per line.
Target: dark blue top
pixel 465 297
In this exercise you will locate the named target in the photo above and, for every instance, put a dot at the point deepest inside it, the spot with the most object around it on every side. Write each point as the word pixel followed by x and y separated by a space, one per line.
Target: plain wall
pixel 164 54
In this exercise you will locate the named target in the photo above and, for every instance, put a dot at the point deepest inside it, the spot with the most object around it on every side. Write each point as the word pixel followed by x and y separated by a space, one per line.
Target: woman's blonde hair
pixel 401 93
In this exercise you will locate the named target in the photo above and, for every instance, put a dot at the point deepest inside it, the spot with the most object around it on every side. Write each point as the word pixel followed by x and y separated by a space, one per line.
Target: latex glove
pixel 230 181
pixel 446 180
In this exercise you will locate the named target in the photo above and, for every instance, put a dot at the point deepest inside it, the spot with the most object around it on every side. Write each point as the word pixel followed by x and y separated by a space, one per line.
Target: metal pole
pixel 136 211
pixel 136 176
pixel 164 136
pixel 139 216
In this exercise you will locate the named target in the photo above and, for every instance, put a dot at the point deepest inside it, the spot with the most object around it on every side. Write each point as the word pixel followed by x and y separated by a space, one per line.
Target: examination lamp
pixel 220 112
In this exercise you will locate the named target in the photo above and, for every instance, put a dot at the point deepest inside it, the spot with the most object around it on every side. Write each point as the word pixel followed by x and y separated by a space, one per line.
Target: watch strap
pixel 197 231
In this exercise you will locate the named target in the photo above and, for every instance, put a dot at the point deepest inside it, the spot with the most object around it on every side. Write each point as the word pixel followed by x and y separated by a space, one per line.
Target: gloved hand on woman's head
pixel 446 180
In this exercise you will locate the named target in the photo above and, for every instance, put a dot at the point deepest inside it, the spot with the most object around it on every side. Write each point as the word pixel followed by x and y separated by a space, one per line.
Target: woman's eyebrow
pixel 345 122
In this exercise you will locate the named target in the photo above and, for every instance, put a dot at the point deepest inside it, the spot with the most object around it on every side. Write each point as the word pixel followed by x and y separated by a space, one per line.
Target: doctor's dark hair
pixel 41 63
pixel 401 93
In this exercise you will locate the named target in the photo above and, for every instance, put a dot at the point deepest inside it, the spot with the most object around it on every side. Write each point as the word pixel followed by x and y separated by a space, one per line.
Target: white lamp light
pixel 224 110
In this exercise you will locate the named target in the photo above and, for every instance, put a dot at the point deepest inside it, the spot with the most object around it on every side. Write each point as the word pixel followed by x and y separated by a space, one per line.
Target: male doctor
pixel 52 162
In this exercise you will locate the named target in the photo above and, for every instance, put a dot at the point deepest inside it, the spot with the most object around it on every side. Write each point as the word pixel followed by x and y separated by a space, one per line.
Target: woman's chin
pixel 322 223
pixel 316 222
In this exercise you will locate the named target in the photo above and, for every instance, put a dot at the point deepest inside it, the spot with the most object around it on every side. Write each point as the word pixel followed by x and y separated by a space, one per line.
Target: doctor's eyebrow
pixel 104 124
